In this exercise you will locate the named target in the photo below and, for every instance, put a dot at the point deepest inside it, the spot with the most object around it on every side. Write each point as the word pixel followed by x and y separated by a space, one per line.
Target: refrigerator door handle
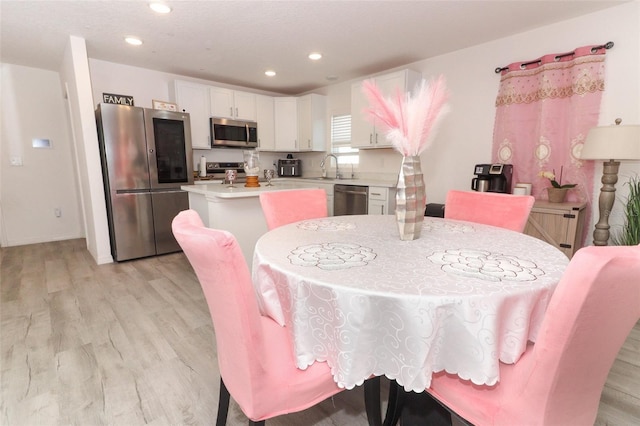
pixel 165 190
pixel 132 191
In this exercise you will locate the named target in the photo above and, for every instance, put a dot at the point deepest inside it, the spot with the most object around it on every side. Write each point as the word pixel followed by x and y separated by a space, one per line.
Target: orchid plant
pixel 409 120
pixel 552 178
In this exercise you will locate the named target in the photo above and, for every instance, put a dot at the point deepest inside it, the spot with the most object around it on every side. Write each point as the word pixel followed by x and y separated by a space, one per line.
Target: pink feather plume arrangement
pixel 409 120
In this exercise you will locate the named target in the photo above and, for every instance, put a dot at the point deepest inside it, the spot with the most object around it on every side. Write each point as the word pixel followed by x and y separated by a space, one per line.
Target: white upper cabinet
pixel 363 133
pixel 300 123
pixel 286 123
pixel 233 104
pixel 312 122
pixel 194 99
pixel 265 115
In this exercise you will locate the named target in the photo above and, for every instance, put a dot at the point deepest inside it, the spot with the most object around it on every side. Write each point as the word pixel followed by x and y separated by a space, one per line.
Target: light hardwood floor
pixel 132 344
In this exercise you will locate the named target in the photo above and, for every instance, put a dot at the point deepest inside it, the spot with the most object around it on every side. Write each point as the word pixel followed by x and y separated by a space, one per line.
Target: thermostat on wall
pixel 41 143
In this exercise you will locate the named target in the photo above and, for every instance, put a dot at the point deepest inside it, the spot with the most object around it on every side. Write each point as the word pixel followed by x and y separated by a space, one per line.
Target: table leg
pixel 395 405
pixel 372 400
pixel 421 409
pixel 414 409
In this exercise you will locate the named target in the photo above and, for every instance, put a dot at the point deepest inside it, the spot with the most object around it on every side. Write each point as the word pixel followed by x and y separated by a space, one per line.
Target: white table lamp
pixel 610 143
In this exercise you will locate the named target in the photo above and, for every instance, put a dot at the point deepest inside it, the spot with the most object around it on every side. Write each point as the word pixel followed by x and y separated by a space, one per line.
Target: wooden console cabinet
pixel 560 224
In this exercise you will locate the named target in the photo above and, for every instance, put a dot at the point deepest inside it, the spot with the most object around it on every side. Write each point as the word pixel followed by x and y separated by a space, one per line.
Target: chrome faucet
pixel 338 175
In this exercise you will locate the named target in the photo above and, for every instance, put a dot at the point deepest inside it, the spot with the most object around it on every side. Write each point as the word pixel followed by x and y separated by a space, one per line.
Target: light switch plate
pixel 16 160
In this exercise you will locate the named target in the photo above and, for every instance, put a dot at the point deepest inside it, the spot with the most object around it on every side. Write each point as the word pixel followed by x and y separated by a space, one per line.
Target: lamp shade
pixel 612 143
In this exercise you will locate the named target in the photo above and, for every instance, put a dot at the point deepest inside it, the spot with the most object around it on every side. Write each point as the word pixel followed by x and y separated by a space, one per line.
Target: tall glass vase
pixel 410 199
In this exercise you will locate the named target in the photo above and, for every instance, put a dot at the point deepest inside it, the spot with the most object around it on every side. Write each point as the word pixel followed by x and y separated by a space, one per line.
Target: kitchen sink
pixel 320 178
pixel 326 179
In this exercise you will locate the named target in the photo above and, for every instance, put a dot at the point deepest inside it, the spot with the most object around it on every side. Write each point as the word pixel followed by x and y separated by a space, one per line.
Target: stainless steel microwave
pixel 233 133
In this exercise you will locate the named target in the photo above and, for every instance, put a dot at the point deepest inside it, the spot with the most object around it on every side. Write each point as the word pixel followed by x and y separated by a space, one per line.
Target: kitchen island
pixel 237 209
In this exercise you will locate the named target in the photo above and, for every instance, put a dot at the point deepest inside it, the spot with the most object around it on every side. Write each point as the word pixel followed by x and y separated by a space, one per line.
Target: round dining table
pixel 461 298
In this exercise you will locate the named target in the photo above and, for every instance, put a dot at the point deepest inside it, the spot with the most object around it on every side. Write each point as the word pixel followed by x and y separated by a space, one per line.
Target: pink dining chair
pixel 256 363
pixel 503 210
pixel 559 379
pixel 284 207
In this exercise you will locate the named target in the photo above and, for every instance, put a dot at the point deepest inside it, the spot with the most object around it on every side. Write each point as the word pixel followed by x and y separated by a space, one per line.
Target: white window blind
pixel 341 140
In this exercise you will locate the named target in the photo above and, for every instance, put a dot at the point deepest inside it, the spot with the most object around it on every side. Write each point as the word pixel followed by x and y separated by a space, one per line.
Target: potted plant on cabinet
pixel 557 191
pixel 629 235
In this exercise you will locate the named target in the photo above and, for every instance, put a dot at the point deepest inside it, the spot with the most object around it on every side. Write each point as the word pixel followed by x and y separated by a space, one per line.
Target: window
pixel 341 140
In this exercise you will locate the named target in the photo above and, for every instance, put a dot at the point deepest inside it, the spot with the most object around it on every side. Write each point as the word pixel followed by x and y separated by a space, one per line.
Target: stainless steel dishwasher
pixel 350 199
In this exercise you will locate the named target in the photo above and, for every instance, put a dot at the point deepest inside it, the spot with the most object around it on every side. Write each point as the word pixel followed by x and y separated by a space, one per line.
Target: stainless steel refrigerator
pixel 146 156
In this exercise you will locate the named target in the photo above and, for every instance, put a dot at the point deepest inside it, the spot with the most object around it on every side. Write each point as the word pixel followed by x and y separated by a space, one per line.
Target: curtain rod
pixel 594 49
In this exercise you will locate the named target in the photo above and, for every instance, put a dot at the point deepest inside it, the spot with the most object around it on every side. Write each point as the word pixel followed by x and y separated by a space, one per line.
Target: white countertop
pixel 239 190
pixel 217 189
pixel 359 181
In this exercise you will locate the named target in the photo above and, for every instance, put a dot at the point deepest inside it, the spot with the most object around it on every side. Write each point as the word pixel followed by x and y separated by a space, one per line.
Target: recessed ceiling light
pixel 160 7
pixel 315 56
pixel 270 73
pixel 133 40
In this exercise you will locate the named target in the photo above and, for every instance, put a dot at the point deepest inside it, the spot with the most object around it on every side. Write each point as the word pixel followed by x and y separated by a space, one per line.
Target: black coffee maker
pixel 493 178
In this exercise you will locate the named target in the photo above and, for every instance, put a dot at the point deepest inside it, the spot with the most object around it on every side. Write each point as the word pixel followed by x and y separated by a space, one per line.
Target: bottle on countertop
pixel 203 166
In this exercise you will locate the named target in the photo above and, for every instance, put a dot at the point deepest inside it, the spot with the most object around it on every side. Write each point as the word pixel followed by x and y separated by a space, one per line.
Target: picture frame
pixel 164 105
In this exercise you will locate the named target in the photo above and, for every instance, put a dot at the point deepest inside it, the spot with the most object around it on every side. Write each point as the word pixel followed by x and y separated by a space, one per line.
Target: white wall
pixel 33 107
pixel 74 76
pixel 144 85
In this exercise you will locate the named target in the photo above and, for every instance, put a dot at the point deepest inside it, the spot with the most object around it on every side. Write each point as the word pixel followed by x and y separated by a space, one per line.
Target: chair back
pixel 226 282
pixel 503 210
pixel 284 207
pixel 592 311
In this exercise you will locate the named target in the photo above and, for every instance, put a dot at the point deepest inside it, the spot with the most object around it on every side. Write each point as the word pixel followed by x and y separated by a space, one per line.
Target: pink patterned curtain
pixel 545 109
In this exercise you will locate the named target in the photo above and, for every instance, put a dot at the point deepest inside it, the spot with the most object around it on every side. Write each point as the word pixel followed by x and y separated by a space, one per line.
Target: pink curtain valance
pixel 553 76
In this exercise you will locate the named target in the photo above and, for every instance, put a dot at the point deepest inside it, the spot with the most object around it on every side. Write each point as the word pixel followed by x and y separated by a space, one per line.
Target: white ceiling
pixel 234 42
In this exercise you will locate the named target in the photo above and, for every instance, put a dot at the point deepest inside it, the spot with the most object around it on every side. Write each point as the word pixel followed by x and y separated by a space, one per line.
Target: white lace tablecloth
pixel 461 298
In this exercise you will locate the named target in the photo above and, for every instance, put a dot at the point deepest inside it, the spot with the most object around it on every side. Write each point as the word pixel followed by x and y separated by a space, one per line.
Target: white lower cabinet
pixel 381 200
pixel 329 189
